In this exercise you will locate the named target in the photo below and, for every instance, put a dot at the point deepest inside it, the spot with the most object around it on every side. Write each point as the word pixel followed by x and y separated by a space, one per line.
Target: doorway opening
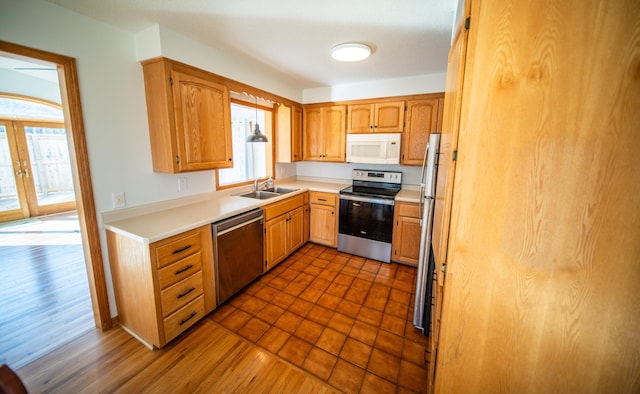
pixel 66 77
pixel 42 271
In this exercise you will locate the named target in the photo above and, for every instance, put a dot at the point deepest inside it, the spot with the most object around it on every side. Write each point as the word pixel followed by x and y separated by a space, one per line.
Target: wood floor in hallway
pixel 44 293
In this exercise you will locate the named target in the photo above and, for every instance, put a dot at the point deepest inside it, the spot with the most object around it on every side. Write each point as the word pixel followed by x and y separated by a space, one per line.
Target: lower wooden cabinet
pixel 323 218
pixel 406 233
pixel 284 229
pixel 162 288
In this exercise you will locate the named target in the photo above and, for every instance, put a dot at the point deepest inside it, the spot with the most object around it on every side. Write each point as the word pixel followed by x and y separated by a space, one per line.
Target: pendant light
pixel 256 135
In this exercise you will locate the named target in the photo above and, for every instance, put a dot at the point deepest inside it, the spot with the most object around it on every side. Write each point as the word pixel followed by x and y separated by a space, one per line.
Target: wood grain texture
pixel 406 233
pixel 422 119
pixel 43 288
pixel 543 266
pixel 208 359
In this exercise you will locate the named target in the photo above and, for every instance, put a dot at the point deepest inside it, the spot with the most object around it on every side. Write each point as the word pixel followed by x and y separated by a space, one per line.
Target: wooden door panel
pixel 295 236
pixel 276 240
pixel 203 122
pixel 541 293
pixel 389 117
pixel 421 120
pixel 360 118
pixel 334 127
pixel 312 141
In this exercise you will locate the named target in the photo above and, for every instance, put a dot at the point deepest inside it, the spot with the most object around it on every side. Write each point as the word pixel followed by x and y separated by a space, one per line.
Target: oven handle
pixel 367 199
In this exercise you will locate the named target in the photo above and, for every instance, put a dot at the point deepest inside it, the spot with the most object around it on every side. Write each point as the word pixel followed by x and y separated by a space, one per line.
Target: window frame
pixel 272 143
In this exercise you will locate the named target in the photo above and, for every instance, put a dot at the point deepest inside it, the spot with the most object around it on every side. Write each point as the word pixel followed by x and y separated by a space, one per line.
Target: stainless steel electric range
pixel 366 214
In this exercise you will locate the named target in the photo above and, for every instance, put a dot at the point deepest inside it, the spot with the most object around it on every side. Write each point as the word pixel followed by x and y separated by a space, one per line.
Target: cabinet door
pixel 334 133
pixel 203 123
pixel 276 240
pixel 360 118
pixel 422 120
pixel 322 228
pixel 295 228
pixel 296 133
pixel 389 117
pixel 312 141
pixel 406 240
pixel 305 223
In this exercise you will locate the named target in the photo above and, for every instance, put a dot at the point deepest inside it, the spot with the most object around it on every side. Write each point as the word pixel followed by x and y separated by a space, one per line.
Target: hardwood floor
pixel 205 358
pixel 280 334
pixel 44 293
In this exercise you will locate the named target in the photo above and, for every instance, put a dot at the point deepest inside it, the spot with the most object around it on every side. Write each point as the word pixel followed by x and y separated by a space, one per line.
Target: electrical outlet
pixel 182 184
pixel 118 201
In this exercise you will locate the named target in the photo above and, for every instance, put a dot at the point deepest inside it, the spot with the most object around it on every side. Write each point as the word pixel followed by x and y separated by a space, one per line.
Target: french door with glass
pixel 35 170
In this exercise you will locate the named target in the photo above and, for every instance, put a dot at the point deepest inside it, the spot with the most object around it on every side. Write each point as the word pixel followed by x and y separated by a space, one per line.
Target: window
pixel 250 160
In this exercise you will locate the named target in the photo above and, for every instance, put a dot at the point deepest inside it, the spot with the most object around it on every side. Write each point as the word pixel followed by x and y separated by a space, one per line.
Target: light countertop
pixel 154 226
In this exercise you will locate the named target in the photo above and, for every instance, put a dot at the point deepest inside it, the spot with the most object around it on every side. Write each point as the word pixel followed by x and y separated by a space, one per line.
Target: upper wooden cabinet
pixel 189 116
pixel 376 118
pixel 289 134
pixel 325 133
pixel 423 118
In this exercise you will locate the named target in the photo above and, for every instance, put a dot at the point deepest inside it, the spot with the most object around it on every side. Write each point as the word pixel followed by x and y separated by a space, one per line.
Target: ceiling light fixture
pixel 351 52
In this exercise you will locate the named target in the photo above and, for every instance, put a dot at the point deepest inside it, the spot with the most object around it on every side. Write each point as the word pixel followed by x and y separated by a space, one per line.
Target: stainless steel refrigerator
pixel 424 280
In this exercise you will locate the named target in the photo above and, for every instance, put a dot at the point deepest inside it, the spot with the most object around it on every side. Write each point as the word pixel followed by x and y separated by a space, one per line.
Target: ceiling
pixel 295 37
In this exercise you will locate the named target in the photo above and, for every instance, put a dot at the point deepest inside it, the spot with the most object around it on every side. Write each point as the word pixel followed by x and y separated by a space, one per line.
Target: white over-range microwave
pixel 374 148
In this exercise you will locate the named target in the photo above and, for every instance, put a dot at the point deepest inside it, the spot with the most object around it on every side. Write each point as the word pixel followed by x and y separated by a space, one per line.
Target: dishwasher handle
pixel 228 230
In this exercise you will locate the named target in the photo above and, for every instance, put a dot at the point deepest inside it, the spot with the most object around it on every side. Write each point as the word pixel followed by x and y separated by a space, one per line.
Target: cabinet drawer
pixel 172 250
pixel 407 209
pixel 183 318
pixel 181 293
pixel 283 206
pixel 179 270
pixel 322 198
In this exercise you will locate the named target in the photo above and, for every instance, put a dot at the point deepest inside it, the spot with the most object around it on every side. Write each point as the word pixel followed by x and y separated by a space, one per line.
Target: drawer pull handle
pixel 182 249
pixel 185 293
pixel 188 318
pixel 322 199
pixel 187 268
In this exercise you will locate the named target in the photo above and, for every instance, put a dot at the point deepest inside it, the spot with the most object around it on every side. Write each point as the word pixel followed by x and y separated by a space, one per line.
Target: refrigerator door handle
pixel 422 183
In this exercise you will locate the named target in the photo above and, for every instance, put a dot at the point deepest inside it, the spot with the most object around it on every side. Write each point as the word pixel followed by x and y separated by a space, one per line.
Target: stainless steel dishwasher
pixel 238 252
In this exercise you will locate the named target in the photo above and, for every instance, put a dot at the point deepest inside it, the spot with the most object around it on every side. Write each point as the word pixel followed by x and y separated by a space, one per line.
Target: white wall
pixel 161 41
pixel 410 174
pixel 419 84
pixel 21 84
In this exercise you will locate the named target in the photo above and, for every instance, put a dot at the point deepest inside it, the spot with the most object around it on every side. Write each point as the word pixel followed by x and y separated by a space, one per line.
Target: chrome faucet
pixel 257 186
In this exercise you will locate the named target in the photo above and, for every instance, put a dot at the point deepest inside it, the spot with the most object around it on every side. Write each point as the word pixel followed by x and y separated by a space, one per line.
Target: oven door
pixel 364 217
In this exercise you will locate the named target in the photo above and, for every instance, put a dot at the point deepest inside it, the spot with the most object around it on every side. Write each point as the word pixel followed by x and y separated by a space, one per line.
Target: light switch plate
pixel 182 184
pixel 118 200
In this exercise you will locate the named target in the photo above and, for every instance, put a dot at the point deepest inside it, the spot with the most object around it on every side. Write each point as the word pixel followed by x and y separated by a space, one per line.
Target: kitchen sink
pixel 279 190
pixel 267 193
pixel 260 194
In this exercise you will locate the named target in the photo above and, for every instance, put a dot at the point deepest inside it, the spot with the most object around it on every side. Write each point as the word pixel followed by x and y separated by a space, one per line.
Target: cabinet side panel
pixel 208 272
pixel 133 286
pixel 160 116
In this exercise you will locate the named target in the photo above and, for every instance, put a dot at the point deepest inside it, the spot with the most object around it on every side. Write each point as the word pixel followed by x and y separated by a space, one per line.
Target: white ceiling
pixel 295 37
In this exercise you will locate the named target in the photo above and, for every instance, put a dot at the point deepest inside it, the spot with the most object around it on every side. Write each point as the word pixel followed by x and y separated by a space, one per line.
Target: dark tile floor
pixel 343 318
